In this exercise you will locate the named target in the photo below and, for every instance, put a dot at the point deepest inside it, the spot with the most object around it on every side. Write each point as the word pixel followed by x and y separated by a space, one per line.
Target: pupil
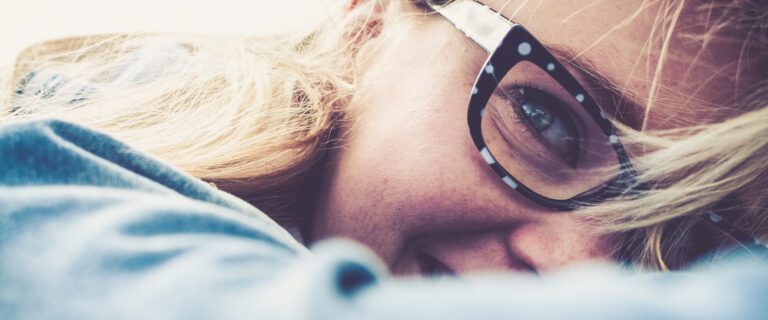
pixel 539 117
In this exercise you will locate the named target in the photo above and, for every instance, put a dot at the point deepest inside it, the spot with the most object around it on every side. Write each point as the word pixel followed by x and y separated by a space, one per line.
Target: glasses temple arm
pixel 750 243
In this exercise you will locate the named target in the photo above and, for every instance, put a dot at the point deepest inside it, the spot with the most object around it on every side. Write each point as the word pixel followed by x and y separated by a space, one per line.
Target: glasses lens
pixel 544 138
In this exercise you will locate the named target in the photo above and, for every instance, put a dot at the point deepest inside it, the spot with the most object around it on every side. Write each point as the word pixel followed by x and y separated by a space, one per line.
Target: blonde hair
pixel 249 115
pixel 716 160
pixel 255 116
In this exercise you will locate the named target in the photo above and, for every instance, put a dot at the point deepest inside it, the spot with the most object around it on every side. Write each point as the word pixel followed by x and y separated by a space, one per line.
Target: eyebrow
pixel 609 95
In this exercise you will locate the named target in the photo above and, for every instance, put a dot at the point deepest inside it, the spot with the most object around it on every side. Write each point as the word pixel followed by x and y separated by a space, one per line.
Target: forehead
pixel 614 31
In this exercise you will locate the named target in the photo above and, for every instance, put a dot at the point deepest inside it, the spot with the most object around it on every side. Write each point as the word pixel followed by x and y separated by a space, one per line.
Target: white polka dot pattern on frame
pixel 487 156
pixel 580 97
pixel 714 217
pixel 489 69
pixel 510 182
pixel 524 48
pixel 551 66
pixel 474 90
pixel 613 139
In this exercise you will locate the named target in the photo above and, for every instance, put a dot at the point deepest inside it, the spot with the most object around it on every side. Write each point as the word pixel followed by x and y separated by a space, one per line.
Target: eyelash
pixel 521 118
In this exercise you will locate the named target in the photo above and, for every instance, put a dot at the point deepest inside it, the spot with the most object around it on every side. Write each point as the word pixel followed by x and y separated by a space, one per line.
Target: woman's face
pixel 407 180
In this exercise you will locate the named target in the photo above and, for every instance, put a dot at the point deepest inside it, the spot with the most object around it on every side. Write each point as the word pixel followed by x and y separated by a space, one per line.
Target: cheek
pixel 389 168
pixel 408 134
pixel 408 153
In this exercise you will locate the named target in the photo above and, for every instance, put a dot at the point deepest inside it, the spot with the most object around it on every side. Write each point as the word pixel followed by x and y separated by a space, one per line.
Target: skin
pixel 407 179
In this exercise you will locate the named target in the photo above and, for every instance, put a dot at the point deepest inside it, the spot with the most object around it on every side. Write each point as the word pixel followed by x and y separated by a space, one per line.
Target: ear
pixel 362 20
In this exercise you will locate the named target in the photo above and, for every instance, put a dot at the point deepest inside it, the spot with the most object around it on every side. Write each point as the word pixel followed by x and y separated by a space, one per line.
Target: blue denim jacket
pixel 92 229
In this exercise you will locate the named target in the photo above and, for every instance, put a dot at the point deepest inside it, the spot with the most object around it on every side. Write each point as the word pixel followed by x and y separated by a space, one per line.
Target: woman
pixel 360 129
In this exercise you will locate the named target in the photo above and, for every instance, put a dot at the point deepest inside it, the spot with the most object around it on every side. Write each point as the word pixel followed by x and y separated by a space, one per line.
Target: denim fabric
pixel 92 229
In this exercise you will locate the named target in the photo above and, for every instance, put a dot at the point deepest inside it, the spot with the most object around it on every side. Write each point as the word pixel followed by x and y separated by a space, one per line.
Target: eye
pixel 431 267
pixel 545 136
pixel 550 120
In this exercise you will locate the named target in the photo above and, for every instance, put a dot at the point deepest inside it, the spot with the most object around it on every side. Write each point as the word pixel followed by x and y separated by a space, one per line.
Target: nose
pixel 482 252
pixel 533 247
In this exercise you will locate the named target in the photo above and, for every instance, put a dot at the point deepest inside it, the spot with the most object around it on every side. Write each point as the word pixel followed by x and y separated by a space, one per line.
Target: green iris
pixel 538 116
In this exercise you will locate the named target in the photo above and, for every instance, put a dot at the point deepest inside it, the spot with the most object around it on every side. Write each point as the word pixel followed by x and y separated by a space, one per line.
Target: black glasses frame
pixel 517 46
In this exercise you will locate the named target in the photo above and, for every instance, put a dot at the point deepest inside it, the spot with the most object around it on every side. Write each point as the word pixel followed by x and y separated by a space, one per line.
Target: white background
pixel 25 22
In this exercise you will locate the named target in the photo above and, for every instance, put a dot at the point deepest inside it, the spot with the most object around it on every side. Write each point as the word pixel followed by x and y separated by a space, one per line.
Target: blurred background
pixel 25 22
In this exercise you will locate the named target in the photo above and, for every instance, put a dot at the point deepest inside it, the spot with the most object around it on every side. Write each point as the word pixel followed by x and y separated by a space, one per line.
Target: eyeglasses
pixel 532 121
pixel 537 127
